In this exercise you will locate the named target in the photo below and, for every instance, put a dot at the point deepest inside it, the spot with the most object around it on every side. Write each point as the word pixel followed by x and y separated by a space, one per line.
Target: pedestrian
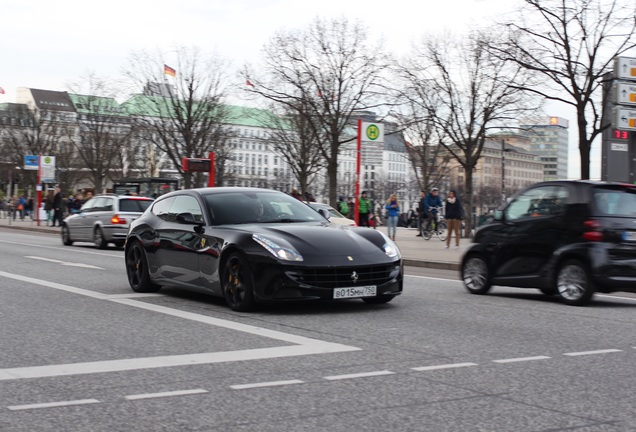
pixel 58 206
pixel 363 210
pixel 343 207
pixel 22 202
pixel 393 211
pixel 48 206
pixel 296 195
pixel 432 205
pixel 420 213
pixel 351 206
pixel 453 216
pixel 30 207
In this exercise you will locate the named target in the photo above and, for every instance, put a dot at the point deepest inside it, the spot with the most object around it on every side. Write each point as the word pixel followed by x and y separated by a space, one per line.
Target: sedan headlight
pixel 279 248
pixel 389 247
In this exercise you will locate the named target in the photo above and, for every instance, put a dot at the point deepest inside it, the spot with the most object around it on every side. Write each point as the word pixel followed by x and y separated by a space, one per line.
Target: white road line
pixel 133 295
pixel 55 285
pixel 265 384
pixel 582 353
pixel 53 404
pixel 433 278
pixel 444 366
pixel 65 263
pixel 521 359
pixel 82 251
pixel 165 394
pixel 359 375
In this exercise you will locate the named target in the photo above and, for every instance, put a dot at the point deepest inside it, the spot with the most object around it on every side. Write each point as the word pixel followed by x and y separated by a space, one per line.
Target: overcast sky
pixel 46 44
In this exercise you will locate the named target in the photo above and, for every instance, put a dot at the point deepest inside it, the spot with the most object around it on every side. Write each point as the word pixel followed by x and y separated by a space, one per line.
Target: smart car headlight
pixel 279 248
pixel 390 248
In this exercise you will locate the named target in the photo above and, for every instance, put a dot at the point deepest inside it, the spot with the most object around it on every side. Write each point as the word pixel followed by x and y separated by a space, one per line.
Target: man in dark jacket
pixel 432 204
pixel 420 213
pixel 58 206
pixel 453 215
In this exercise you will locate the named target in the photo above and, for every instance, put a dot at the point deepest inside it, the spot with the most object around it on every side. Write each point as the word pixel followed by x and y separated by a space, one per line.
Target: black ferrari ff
pixel 254 246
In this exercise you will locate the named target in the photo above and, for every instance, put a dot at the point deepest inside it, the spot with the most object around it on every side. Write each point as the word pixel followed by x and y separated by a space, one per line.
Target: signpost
pixel 624 118
pixel 368 132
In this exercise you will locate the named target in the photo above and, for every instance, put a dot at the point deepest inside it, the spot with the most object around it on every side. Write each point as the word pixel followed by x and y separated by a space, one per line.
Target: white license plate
pixel 354 292
pixel 629 236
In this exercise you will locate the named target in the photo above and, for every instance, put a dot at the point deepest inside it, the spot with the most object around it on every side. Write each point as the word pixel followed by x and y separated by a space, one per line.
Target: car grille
pixel 338 277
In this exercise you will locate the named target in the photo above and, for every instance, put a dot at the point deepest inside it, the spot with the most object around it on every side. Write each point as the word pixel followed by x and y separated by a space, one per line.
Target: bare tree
pixel 332 68
pixel 465 93
pixel 185 113
pixel 571 45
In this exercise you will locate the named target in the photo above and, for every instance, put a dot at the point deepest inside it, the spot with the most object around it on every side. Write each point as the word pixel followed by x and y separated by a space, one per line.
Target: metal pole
pixel 356 207
pixel 503 172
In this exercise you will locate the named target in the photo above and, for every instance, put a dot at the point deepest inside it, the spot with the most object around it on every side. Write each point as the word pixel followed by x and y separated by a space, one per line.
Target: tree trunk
pixel 584 147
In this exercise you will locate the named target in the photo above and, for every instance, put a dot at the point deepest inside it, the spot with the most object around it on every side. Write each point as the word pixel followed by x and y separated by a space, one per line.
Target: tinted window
pixel 134 205
pixel 615 201
pixel 536 202
pixel 186 204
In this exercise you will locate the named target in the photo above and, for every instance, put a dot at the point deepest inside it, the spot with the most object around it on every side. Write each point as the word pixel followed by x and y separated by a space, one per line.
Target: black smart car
pixel 571 238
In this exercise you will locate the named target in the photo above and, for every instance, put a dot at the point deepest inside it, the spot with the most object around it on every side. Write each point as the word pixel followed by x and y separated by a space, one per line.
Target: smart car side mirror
pixel 497 215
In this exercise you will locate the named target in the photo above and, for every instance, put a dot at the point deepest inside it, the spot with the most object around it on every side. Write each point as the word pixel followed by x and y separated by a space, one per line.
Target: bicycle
pixel 436 226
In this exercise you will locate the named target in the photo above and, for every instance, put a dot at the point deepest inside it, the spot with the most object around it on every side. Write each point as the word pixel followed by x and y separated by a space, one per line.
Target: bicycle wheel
pixel 442 230
pixel 426 233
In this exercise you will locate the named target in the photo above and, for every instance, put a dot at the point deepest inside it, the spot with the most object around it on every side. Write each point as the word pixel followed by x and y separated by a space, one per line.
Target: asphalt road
pixel 81 352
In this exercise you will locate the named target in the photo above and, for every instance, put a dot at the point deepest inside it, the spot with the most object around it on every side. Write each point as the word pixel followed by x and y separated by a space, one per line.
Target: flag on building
pixel 169 71
pixel 1 90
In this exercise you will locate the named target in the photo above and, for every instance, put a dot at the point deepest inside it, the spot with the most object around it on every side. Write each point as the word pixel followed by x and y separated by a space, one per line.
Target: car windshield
pixel 615 201
pixel 134 204
pixel 257 207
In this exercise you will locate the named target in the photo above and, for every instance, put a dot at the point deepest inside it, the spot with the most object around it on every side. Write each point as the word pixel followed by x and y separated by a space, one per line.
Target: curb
pixel 440 265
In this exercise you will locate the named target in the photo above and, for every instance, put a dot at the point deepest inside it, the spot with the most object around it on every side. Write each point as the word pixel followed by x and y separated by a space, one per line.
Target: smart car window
pixel 186 204
pixel 615 202
pixel 537 202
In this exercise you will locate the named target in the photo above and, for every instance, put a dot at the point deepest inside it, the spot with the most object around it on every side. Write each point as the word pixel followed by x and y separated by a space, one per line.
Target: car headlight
pixel 389 247
pixel 277 248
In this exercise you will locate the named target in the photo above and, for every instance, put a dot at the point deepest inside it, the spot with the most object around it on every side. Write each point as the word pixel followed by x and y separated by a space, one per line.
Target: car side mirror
pixel 497 215
pixel 324 213
pixel 188 218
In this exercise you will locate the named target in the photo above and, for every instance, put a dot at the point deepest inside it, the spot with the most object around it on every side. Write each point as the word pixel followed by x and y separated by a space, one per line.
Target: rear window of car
pixel 615 201
pixel 134 205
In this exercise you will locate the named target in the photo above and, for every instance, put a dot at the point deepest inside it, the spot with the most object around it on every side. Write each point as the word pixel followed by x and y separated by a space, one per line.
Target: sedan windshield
pixel 258 207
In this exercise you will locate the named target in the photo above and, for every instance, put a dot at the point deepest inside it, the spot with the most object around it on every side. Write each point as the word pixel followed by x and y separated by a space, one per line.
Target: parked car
pixel 104 219
pixel 571 238
pixel 252 246
pixel 334 215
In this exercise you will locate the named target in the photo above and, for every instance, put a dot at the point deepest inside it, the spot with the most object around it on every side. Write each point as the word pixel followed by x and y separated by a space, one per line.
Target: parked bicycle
pixel 436 226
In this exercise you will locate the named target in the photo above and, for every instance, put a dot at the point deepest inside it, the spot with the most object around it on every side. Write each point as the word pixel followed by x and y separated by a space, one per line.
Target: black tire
pixel 120 244
pixel 378 300
pixel 574 284
pixel 137 270
pixel 238 284
pixel 98 239
pixel 476 275
pixel 66 236
pixel 442 230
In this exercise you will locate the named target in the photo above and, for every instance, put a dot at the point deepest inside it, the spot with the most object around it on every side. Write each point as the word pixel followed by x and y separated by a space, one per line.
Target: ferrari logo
pixel 354 276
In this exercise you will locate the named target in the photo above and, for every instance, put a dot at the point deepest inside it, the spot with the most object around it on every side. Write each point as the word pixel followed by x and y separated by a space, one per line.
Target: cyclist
pixel 432 204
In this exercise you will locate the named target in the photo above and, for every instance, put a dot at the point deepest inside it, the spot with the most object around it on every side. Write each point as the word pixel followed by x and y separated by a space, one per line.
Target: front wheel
pixel 66 236
pixel 476 275
pixel 574 284
pixel 137 270
pixel 238 284
pixel 442 231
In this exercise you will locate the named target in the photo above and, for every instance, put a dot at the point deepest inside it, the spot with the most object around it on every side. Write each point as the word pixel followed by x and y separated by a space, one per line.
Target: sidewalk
pixel 415 250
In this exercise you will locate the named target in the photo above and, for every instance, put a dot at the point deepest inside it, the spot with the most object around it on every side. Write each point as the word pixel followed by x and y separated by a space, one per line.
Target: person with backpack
pixel 343 207
pixel 363 210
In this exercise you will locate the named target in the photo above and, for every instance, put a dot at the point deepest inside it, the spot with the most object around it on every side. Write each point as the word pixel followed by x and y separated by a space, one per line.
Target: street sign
pixel 372 132
pixel 47 169
pixel 31 162
pixel 624 118
pixel 624 93
pixel 625 68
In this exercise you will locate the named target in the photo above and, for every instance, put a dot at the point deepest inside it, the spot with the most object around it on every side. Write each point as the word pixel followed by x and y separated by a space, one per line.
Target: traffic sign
pixel 31 162
pixel 624 93
pixel 625 68
pixel 372 132
pixel 624 118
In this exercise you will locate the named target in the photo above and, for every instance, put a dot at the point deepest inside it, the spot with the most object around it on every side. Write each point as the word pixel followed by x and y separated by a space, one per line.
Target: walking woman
pixel 393 211
pixel 453 216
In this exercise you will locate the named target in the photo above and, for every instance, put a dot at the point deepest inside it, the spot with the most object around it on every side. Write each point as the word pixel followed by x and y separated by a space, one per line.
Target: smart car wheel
pixel 98 239
pixel 574 283
pixel 238 284
pixel 66 236
pixel 137 270
pixel 476 275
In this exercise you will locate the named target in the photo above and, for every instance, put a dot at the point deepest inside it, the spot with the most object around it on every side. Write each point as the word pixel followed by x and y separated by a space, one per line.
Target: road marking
pixel 53 404
pixel 521 359
pixel 65 263
pixel 433 278
pixel 165 394
pixel 65 249
pixel 133 295
pixel 582 353
pixel 359 375
pixel 301 345
pixel 444 366
pixel 265 384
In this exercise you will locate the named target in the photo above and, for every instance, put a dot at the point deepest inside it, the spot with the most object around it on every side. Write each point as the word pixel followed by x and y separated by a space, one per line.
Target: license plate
pixel 629 236
pixel 354 292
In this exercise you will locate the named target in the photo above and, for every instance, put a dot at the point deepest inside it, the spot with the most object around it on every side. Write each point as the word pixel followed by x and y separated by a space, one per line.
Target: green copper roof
pixel 85 104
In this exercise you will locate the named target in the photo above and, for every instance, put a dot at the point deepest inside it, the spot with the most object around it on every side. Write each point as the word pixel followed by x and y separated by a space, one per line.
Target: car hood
pixel 319 240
